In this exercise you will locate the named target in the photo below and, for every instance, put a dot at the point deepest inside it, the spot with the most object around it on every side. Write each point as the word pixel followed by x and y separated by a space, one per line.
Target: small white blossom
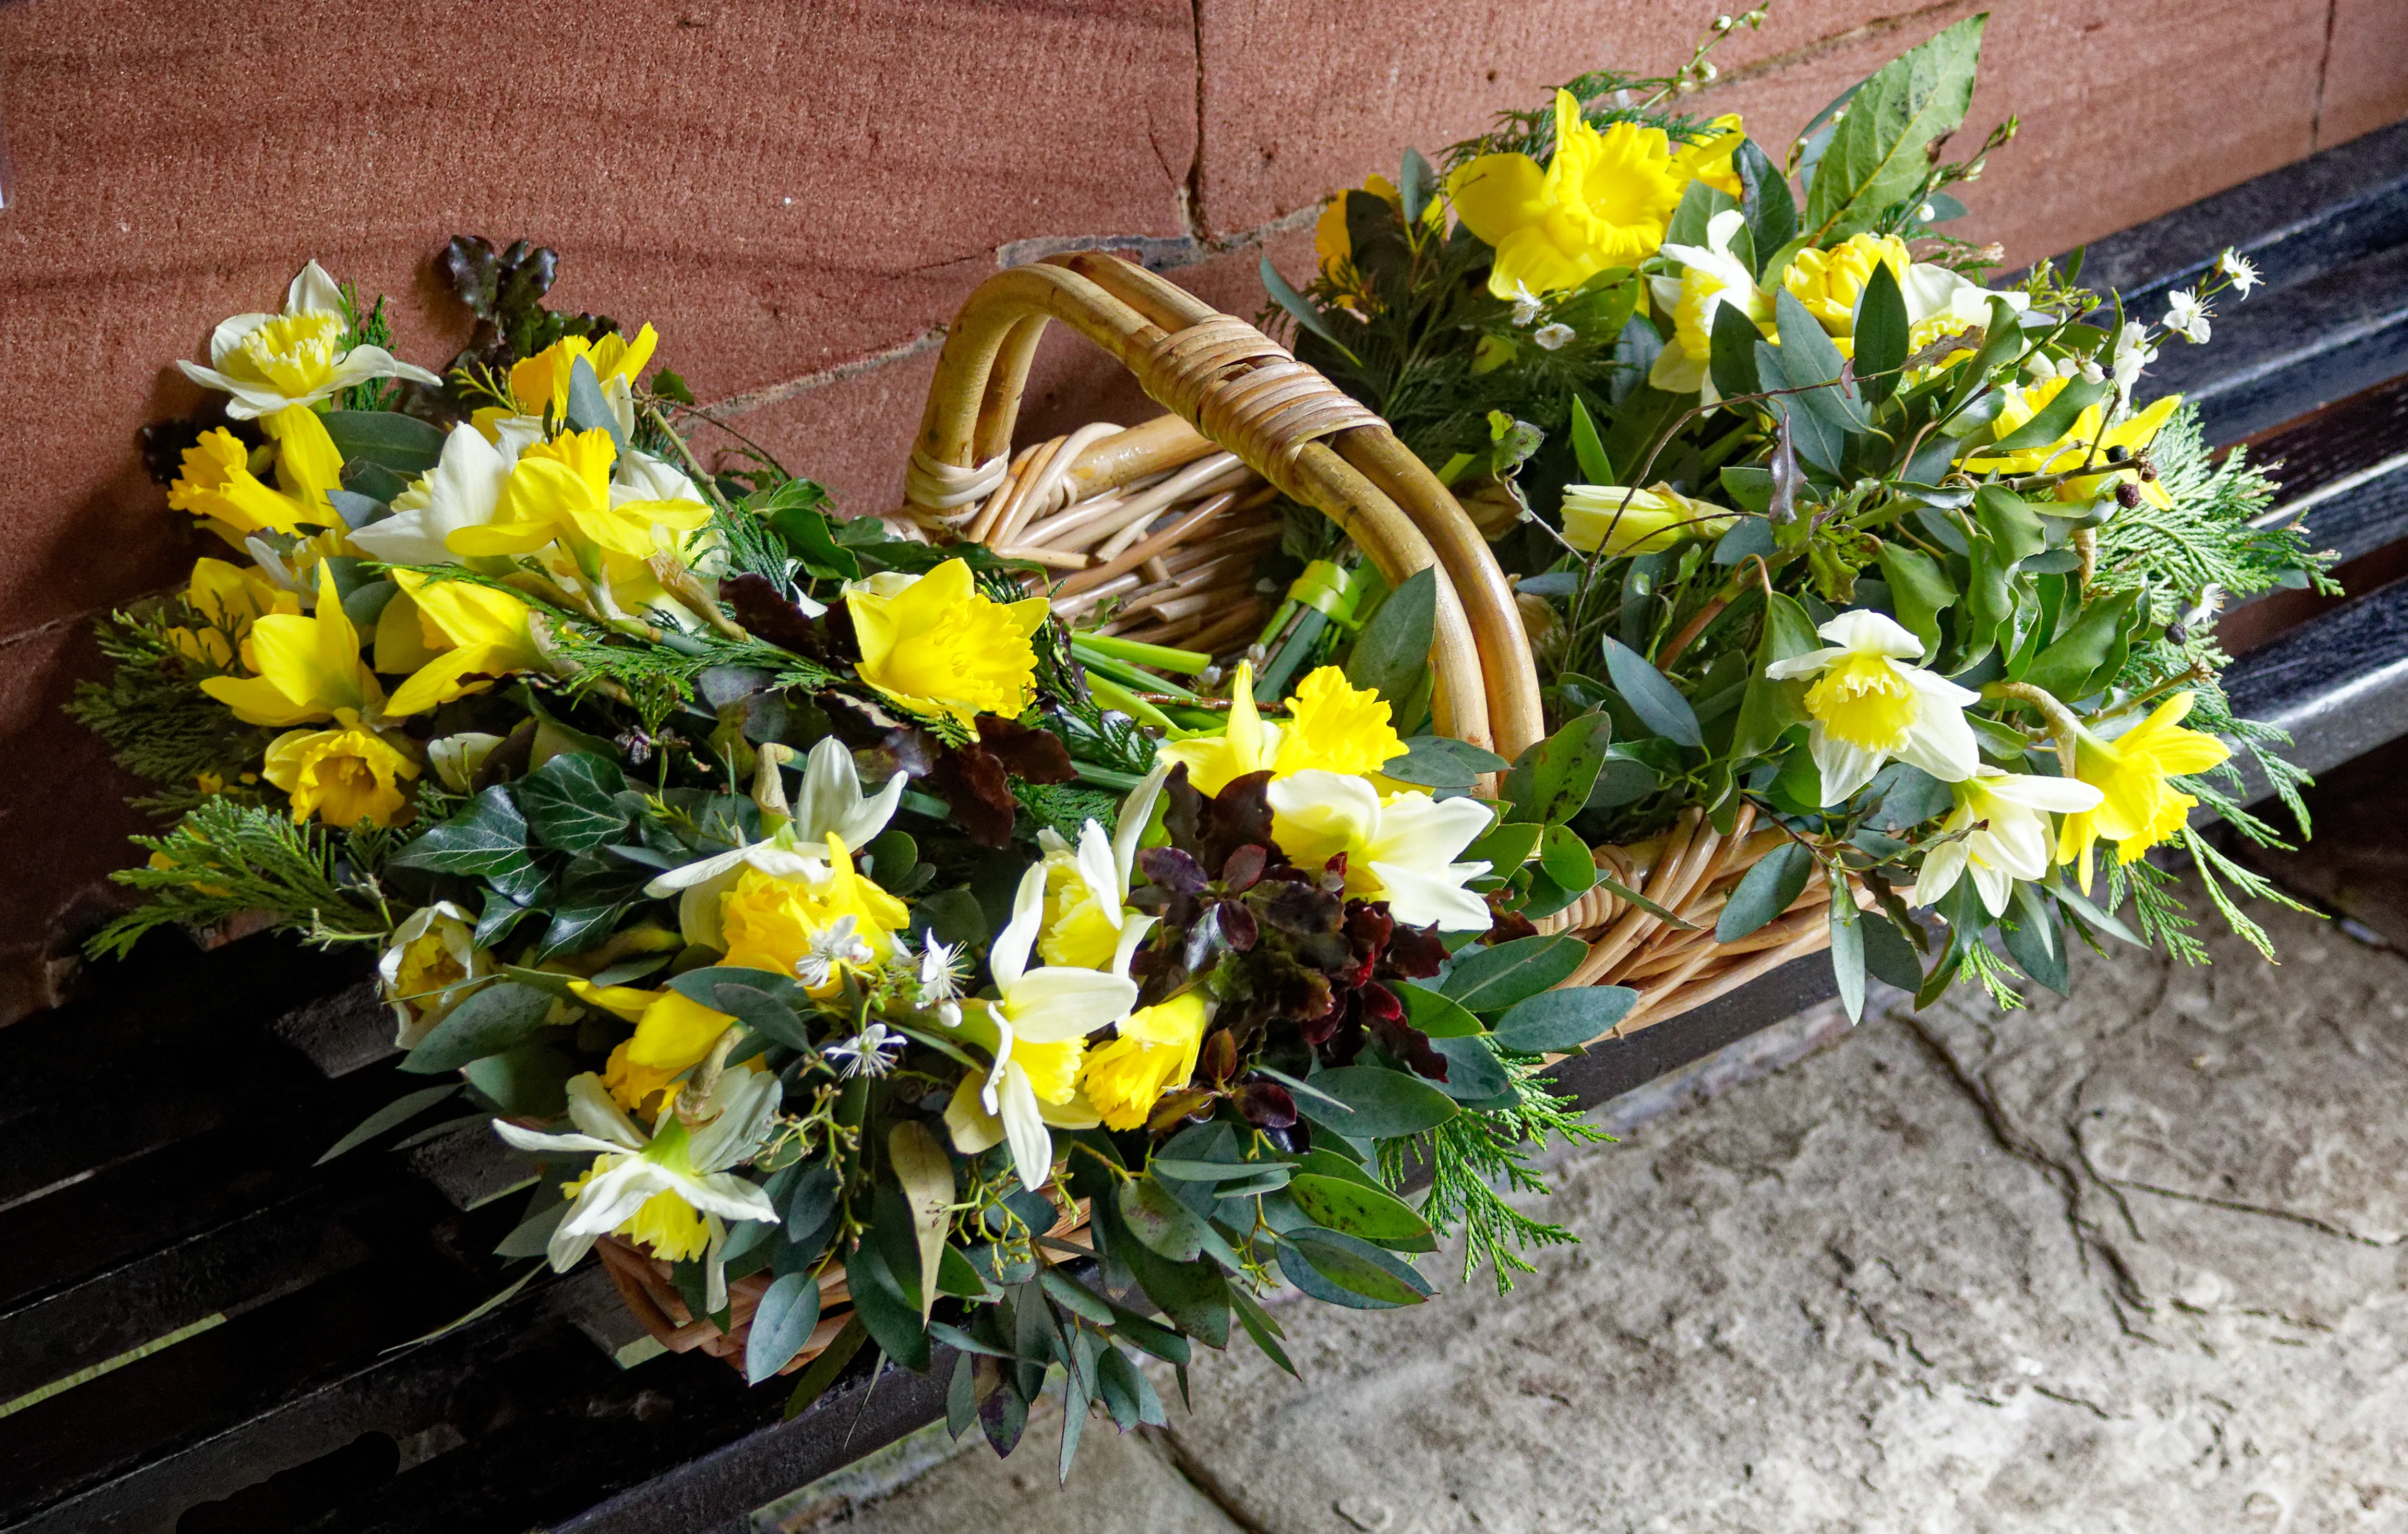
pixel 838 944
pixel 940 982
pixel 2242 272
pixel 1552 338
pixel 1527 304
pixel 2186 317
pixel 869 1052
pixel 1724 23
pixel 2092 372
pixel 2132 356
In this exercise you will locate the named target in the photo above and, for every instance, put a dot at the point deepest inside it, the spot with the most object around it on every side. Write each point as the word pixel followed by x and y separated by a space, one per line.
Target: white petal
pixel 610 1198
pixel 568 1247
pixel 1053 1004
pixel 1995 884
pixel 365 363
pixel 1009 958
pixel 1136 812
pixel 714 1265
pixel 744 1099
pixel 1419 897
pixel 1424 833
pixel 1805 665
pixel 727 1196
pixel 2014 843
pixel 1098 873
pixel 1937 689
pixel 1940 867
pixel 1676 372
pixel 535 1139
pixel 590 1109
pixel 313 289
pixel 1943 744
pixel 1339 804
pixel 1024 1125
pixel 1846 767
pixel 1863 629
pixel 2066 796
pixel 1132 937
pixel 227 335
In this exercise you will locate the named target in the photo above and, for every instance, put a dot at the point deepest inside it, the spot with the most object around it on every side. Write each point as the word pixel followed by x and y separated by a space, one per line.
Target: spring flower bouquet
pixel 860 957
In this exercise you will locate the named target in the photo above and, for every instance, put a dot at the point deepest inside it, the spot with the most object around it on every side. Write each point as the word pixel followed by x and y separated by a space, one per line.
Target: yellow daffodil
pixel 1334 248
pixel 430 966
pixel 2137 808
pixel 1709 160
pixel 1155 1052
pixel 305 670
pixel 935 644
pixel 1401 851
pixel 1828 282
pixel 344 776
pixel 228 599
pixel 1331 727
pixel 1712 275
pixel 1604 200
pixel 1623 520
pixel 269 361
pixel 1868 706
pixel 670 1189
pixel 673 1035
pixel 218 486
pixel 540 384
pixel 479 631
pixel 1086 886
pixel 775 923
pixel 560 491
pixel 2133 433
pixel 1998 833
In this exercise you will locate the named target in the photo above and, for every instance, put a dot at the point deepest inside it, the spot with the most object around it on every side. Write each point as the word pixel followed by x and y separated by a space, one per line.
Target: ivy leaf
pixel 567 802
pixel 1875 154
pixel 487 839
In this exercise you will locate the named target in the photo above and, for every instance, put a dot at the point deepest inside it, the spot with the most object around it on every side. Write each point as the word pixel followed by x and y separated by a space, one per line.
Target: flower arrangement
pixel 863 956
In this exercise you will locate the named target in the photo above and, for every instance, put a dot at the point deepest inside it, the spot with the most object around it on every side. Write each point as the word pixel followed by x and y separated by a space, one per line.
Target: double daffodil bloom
pixel 1331 727
pixel 1040 1023
pixel 479 632
pixel 1402 851
pixel 1604 200
pixel 1870 706
pixel 305 670
pixel 2137 808
pixel 1712 275
pixel 937 644
pixel 1829 282
pixel 2133 434
pixel 1622 520
pixel 560 491
pixel 344 776
pixel 1154 1052
pixel 269 361
pixel 2001 834
pixel 672 1189
pixel 228 599
pixel 463 489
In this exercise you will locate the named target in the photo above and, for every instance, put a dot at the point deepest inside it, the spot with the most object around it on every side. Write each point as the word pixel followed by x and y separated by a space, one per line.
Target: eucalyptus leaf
pixel 1391 655
pixel 1300 308
pixel 1651 694
pixel 589 409
pixel 1552 782
pixel 782 1324
pixel 1434 1013
pixel 499 1017
pixel 1383 1104
pixel 1489 980
pixel 1767 890
pixel 1554 1021
pixel 402 444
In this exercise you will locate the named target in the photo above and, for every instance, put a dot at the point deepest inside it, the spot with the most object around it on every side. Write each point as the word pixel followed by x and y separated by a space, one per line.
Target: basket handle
pixel 1235 386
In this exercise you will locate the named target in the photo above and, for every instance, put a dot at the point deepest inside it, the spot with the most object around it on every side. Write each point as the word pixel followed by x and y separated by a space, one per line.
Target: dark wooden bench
pixel 158 1139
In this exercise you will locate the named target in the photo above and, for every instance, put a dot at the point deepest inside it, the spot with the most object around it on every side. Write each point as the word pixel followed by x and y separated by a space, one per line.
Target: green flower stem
pixel 2062 725
pixel 1161 657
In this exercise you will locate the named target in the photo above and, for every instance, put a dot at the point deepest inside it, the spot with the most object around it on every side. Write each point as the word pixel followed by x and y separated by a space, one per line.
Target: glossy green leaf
pixel 1349 1270
pixel 1875 155
pixel 1567 859
pixel 1764 200
pixel 393 1115
pixel 1588 448
pixel 1382 1104
pixel 2085 657
pixel 1882 335
pixel 1346 1205
pixel 1651 694
pixel 892 1316
pixel 1812 362
pixel 569 801
pixel 486 840
pixel 403 444
pixel 1765 892
pixel 2054 418
pixel 1489 980
pixel 1552 782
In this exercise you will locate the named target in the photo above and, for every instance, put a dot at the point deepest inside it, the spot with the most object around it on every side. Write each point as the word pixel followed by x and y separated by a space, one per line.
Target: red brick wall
pixel 798 194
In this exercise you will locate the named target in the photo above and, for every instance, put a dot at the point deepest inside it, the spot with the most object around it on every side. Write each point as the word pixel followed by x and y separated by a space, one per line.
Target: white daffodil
pixel 432 965
pixel 2186 316
pixel 462 490
pixel 1402 852
pixel 1040 1027
pixel 269 361
pixel 833 804
pixel 1939 301
pixel 2241 270
pixel 1870 706
pixel 2006 834
pixel 1710 276
pixel 672 1189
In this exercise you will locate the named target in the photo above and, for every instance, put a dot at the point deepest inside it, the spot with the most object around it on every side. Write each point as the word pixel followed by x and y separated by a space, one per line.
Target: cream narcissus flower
pixel 1401 851
pixel 305 670
pixel 2001 832
pixel 2137 808
pixel 463 489
pixel 1623 520
pixel 1040 1025
pixel 269 361
pixel 1155 1050
pixel 672 1189
pixel 478 632
pixel 1604 200
pixel 2132 434
pixel 1829 282
pixel 346 776
pixel 935 643
pixel 227 600
pixel 431 966
pixel 1712 275
pixel 1868 706
pixel 1331 727
pixel 560 491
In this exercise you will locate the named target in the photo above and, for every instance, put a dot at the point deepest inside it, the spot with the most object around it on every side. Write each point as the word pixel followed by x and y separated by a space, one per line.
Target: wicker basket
pixel 1170 517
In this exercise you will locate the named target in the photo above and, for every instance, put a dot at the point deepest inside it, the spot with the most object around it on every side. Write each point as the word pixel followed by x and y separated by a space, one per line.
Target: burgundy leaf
pixel 765 613
pixel 1032 755
pixel 1239 928
pixel 1220 1057
pixel 1298 909
pixel 1173 870
pixel 1508 925
pixel 971 782
pixel 1243 867
pixel 1182 809
pixel 1411 1046
pixel 1333 874
pixel 1241 814
pixel 1380 1004
pixel 1267 1105
pixel 1414 953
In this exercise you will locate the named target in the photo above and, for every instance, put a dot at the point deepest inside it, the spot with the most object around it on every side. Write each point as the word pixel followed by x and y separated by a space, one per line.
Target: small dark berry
pixel 2127 494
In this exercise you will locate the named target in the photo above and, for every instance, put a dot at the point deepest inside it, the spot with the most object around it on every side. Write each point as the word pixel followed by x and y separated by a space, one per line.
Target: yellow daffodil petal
pixel 307 464
pixel 342 776
pixel 935 644
pixel 1336 728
